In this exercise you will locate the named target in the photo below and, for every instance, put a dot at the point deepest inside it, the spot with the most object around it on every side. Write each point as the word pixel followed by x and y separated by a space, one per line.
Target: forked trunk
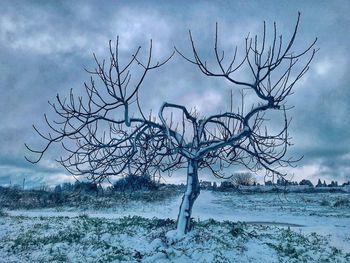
pixel 190 195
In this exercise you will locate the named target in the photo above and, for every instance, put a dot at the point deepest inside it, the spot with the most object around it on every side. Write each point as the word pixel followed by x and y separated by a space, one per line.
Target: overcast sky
pixel 45 45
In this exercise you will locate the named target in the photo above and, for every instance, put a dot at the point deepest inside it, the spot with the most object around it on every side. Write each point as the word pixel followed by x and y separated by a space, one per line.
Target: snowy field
pixel 228 227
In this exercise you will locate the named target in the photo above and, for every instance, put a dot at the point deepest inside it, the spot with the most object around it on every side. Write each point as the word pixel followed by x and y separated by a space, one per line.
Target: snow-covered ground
pixel 284 227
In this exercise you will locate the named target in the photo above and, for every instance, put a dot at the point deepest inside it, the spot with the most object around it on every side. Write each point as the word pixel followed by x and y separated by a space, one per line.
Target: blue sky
pixel 45 45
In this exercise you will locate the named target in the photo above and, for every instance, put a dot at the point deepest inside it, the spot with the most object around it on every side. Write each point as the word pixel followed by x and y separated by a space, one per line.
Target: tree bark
pixel 190 195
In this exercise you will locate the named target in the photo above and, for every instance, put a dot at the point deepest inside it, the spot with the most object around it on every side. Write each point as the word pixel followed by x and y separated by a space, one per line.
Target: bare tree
pixel 245 179
pixel 104 137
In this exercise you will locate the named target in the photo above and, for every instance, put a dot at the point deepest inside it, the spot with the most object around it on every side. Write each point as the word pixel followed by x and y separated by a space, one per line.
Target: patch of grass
pixel 296 247
pixel 2 213
pixel 134 239
pixel 343 202
pixel 325 202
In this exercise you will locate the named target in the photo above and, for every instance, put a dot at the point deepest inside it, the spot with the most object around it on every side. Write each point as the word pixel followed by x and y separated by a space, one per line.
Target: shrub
pixel 342 203
pixel 306 182
pixel 245 179
pixel 133 182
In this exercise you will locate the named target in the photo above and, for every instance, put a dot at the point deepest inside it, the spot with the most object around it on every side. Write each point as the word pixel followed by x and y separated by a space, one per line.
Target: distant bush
pixel 306 182
pixel 134 182
pixel 67 187
pixel 226 186
pixel 245 179
pixel 86 187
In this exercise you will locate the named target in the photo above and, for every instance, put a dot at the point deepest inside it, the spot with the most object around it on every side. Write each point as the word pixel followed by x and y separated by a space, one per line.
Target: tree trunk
pixel 190 195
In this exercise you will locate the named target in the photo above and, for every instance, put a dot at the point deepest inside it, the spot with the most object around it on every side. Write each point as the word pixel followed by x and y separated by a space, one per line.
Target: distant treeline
pixel 239 180
pixel 87 194
pixel 138 187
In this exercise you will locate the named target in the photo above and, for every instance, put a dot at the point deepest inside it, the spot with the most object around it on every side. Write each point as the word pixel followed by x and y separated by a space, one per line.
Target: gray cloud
pixel 46 44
